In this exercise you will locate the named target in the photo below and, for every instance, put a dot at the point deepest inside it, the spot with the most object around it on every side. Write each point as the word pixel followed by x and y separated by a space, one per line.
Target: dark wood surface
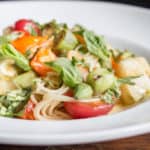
pixel 135 143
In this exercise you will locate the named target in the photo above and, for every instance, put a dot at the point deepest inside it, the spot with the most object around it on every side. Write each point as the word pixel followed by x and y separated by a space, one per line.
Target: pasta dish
pixel 53 72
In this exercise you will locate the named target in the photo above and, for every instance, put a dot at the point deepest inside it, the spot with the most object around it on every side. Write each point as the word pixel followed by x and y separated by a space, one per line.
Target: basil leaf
pixel 13 102
pixel 96 46
pixel 8 51
pixel 68 71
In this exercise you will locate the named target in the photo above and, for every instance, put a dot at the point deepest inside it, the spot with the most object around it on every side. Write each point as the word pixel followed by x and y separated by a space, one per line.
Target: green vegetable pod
pixel 83 91
pixel 25 80
pixel 67 41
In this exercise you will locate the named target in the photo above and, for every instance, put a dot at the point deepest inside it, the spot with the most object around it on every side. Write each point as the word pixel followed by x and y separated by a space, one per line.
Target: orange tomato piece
pixel 22 44
pixel 38 61
pixel 114 64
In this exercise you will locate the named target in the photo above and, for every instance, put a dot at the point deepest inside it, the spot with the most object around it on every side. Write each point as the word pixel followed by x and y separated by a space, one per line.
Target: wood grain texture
pixel 135 143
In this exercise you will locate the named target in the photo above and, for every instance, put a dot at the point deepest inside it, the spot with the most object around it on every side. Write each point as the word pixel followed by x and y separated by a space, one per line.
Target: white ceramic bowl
pixel 124 27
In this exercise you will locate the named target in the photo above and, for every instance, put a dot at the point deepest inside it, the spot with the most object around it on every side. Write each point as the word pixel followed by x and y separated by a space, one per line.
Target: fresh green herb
pixel 96 46
pixel 128 80
pixel 77 62
pixel 8 51
pixel 82 49
pixel 68 71
pixel 120 55
pixel 13 102
pixel 112 94
pixel 74 61
pixel 78 29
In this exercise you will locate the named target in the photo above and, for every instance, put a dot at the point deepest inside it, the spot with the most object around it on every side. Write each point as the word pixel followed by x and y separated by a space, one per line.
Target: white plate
pixel 125 27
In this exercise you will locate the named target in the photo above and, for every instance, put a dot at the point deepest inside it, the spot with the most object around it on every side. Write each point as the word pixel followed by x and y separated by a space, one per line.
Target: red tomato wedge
pixel 85 110
pixel 28 112
pixel 27 26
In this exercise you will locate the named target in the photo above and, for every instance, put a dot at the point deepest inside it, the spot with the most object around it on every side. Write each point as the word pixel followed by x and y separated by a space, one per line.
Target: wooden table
pixel 135 143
